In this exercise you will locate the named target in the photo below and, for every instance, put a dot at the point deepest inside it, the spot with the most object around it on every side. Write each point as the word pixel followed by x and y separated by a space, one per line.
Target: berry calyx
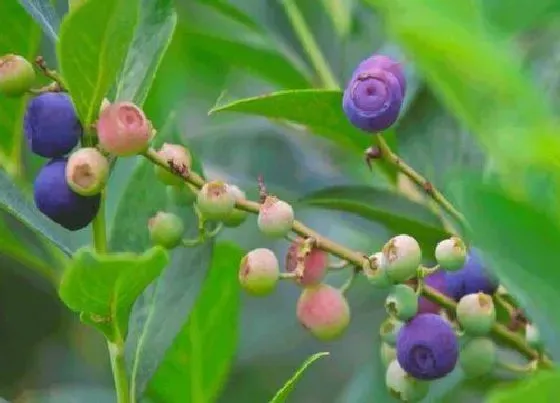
pixel 259 272
pixel 315 263
pixel 478 357
pixel 476 313
pixel 389 330
pixel 179 156
pixel 427 347
pixel 55 199
pixel 401 257
pixel 402 302
pixel 87 171
pixel 123 129
pixel 404 387
pixel 473 277
pixel 275 218
pixel 451 253
pixel 166 229
pixel 215 201
pixel 237 216
pixel 51 126
pixel 374 270
pixel 16 75
pixel 324 311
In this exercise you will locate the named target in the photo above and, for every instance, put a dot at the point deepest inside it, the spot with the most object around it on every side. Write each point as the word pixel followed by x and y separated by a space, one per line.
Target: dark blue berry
pixel 473 277
pixel 51 125
pixel 54 198
pixel 427 347
pixel 437 282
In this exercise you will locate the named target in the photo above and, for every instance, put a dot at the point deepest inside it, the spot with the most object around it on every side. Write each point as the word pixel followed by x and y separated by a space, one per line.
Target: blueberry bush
pixel 244 201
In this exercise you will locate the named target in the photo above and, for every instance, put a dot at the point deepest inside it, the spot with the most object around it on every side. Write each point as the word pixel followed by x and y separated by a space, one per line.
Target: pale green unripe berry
pixel 375 272
pixel 387 354
pixel 402 302
pixel 177 155
pixel 476 313
pixel 87 171
pixel 389 330
pixel 237 216
pixel 181 195
pixel 215 201
pixel 533 336
pixel 404 387
pixel 259 272
pixel 478 357
pixel 401 257
pixel 451 253
pixel 276 217
pixel 166 229
pixel 16 75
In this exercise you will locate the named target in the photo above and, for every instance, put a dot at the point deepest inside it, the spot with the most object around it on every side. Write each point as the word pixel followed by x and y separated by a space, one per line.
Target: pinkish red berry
pixel 87 171
pixel 215 201
pixel 324 311
pixel 179 156
pixel 259 272
pixel 315 263
pixel 123 129
pixel 276 217
pixel 16 75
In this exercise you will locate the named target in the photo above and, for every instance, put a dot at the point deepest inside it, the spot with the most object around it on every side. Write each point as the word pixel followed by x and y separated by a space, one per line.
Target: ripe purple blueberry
pixel 275 217
pixel 403 386
pixel 51 126
pixel 237 216
pixel 259 272
pixel 451 253
pixel 401 258
pixel 16 75
pixel 373 98
pixel 180 156
pixel 215 201
pixel 166 229
pixel 473 277
pixel 402 302
pixel 54 197
pixel 87 171
pixel 437 282
pixel 478 357
pixel 427 347
pixel 476 313
pixel 315 264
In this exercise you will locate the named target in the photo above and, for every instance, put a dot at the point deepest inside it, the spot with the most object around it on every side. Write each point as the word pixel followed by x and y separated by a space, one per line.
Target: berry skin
pixel 259 272
pixel 373 98
pixel 387 353
pixel 404 387
pixel 437 282
pixel 237 216
pixel 402 302
pixel 389 330
pixel 275 217
pixel 533 336
pixel 316 263
pixel 180 156
pixel 427 347
pixel 54 198
pixel 473 277
pixel 375 272
pixel 451 253
pixel 476 313
pixel 123 129
pixel 324 311
pixel 478 357
pixel 215 201
pixel 166 229
pixel 87 171
pixel 401 258
pixel 16 75
pixel 51 126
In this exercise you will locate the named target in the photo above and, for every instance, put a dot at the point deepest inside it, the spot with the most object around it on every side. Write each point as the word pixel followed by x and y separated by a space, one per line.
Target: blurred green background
pixel 230 50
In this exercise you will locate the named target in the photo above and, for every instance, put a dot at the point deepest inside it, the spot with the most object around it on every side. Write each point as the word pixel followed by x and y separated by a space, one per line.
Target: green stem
pixel 99 230
pixel 309 44
pixel 118 365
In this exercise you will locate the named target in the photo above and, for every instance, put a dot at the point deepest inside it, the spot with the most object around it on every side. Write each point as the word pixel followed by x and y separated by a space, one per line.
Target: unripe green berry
pixel 476 313
pixel 215 201
pixel 389 330
pixel 177 155
pixel 237 216
pixel 402 302
pixel 166 229
pixel 387 353
pixel 181 195
pixel 87 171
pixel 533 336
pixel 375 272
pixel 16 75
pixel 259 272
pixel 275 217
pixel 478 357
pixel 451 254
pixel 401 257
pixel 404 387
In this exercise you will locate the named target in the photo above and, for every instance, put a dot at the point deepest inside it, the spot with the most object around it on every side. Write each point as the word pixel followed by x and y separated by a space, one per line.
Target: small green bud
pixel 87 171
pixel 389 330
pixel 215 201
pixel 451 254
pixel 275 217
pixel 404 387
pixel 387 353
pixel 402 302
pixel 476 313
pixel 259 272
pixel 179 156
pixel 166 229
pixel 181 195
pixel 401 257
pixel 237 217
pixel 16 75
pixel 375 271
pixel 478 357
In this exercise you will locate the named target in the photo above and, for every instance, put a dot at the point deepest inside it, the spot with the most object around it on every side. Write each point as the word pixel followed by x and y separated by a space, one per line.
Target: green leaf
pixel 397 213
pixel 103 288
pixel 340 12
pixel 94 41
pixel 526 13
pixel 539 388
pixel 24 40
pixel 43 13
pixel 196 365
pixel 151 40
pixel 285 391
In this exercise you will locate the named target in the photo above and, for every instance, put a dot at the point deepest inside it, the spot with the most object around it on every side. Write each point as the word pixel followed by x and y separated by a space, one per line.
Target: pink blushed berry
pixel 215 201
pixel 275 218
pixel 87 171
pixel 259 272
pixel 16 75
pixel 315 263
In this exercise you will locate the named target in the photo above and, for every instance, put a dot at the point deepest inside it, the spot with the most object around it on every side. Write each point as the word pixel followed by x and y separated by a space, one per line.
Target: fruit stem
pixel 359 260
pixel 531 366
pixel 99 230
pixel 390 157
pixel 118 366
pixel 309 45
